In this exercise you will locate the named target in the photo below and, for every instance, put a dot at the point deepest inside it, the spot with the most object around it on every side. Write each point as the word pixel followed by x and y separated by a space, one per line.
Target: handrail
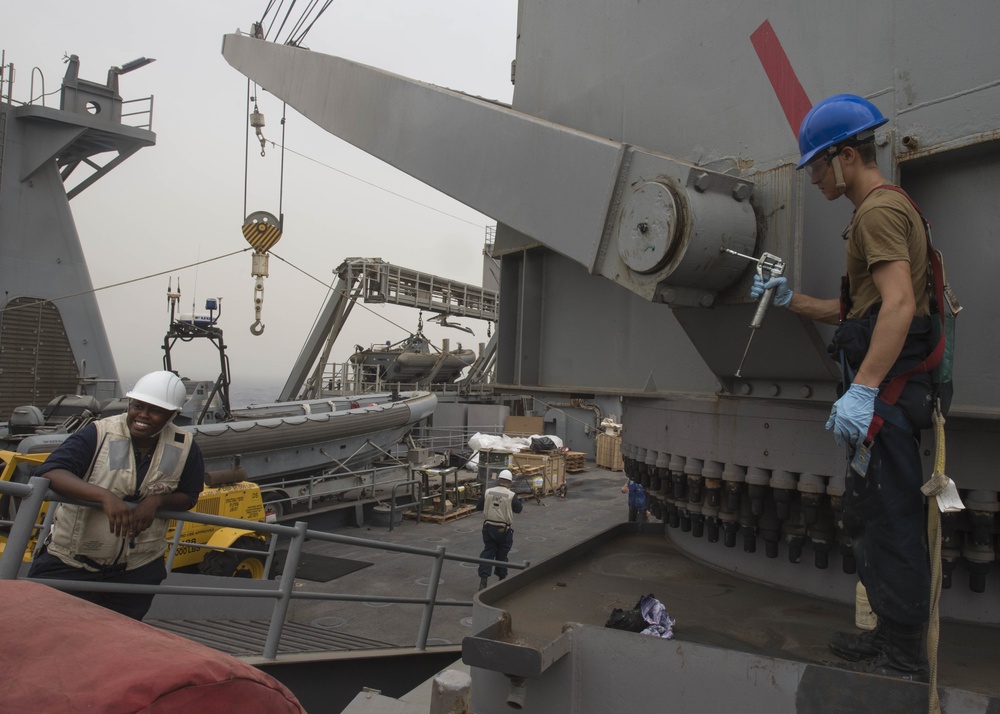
pixel 36 491
pixel 145 109
pixel 418 504
pixel 176 541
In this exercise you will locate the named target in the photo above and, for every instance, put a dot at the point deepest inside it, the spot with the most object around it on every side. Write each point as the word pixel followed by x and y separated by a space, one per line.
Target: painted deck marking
pixel 787 88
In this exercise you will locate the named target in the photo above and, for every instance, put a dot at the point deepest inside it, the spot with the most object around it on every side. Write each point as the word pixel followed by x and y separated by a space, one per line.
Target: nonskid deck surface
pixel 710 607
pixel 593 504
pixel 714 608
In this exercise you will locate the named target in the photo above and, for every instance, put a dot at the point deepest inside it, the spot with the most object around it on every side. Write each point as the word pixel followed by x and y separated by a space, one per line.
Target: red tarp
pixel 63 654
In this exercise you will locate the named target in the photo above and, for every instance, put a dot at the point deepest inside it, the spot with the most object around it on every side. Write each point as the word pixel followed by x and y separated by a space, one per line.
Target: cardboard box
pixel 609 452
pixel 523 426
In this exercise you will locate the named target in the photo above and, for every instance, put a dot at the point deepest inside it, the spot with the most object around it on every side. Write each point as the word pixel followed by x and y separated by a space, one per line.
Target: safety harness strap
pixel 890 394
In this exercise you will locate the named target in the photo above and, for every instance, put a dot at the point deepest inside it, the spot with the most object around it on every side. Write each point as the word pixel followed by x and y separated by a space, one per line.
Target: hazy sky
pixel 181 201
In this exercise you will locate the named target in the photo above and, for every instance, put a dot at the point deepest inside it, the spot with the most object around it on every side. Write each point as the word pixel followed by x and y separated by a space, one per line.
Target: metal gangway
pixel 372 280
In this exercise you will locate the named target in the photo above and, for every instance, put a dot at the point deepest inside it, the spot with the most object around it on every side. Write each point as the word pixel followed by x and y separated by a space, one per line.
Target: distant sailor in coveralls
pixel 498 504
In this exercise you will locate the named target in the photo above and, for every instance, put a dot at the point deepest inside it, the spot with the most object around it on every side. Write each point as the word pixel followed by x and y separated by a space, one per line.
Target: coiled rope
pixel 934 543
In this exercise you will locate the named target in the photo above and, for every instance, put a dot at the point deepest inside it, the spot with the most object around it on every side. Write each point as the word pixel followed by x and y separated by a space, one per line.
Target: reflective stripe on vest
pixel 86 531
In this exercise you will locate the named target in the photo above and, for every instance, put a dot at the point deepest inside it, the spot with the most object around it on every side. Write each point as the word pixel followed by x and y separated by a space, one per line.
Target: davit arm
pixel 650 222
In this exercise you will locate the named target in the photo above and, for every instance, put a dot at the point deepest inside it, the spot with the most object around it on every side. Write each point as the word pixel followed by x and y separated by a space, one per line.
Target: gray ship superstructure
pixel 57 370
pixel 646 143
pixel 52 336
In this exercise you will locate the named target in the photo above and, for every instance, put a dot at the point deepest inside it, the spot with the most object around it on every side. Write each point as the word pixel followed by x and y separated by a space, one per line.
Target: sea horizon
pixel 242 391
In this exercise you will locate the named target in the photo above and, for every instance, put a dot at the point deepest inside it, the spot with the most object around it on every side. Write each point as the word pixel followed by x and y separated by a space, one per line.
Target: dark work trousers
pixel 884 516
pixel 637 515
pixel 884 510
pixel 134 605
pixel 497 541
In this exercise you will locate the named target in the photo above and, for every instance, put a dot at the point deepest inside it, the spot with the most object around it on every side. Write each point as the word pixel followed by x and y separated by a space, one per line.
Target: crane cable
pixel 299 28
pixel 374 185
pixel 41 301
pixel 123 282
pixel 330 288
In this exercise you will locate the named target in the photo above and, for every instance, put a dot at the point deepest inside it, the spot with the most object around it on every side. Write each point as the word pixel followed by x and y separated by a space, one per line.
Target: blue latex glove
pixel 782 293
pixel 852 414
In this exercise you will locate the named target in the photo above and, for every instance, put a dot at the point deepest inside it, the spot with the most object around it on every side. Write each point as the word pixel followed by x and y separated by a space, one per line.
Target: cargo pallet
pixel 576 461
pixel 452 515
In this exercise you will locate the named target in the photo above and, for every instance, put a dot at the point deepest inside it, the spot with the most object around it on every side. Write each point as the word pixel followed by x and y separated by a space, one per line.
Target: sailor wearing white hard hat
pixel 132 465
pixel 498 505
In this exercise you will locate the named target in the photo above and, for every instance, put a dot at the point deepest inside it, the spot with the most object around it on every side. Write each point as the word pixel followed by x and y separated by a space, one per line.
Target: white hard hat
pixel 161 389
pixel 505 475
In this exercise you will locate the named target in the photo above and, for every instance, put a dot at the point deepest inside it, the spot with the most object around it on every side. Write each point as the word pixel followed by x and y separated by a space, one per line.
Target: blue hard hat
pixel 833 120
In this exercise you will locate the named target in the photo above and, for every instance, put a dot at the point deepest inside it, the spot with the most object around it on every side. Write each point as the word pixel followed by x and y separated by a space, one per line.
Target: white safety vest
pixel 496 506
pixel 79 530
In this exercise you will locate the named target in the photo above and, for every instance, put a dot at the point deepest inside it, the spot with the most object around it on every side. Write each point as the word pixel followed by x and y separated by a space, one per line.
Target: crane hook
pixel 257 122
pixel 262 231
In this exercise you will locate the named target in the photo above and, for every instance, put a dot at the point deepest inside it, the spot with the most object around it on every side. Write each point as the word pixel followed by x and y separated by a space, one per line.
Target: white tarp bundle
pixel 502 442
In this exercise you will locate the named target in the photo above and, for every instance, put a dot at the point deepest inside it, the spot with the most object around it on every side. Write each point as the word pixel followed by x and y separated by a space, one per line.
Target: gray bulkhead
pixel 52 336
pixel 646 109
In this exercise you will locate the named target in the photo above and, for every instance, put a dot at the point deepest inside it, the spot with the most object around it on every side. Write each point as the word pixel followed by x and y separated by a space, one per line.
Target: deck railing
pixel 33 494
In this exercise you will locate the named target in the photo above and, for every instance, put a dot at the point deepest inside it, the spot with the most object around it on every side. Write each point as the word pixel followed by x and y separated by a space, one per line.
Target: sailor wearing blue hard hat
pixel 883 330
pixel 836 119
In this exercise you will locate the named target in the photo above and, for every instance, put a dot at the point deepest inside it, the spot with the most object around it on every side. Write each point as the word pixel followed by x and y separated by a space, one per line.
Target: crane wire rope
pixel 123 282
pixel 330 288
pixel 275 18
pixel 288 14
pixel 246 151
pixel 297 41
pixel 374 185
pixel 281 173
pixel 300 27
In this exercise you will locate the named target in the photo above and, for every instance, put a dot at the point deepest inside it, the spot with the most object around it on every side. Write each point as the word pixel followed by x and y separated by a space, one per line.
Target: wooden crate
pixel 550 467
pixel 609 452
pixel 575 461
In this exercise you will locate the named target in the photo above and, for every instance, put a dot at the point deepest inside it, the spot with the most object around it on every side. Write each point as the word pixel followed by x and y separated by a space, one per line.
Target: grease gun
pixel 768 266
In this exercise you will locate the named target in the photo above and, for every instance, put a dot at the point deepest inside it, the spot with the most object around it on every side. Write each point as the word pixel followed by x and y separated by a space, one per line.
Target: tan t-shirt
pixel 885 227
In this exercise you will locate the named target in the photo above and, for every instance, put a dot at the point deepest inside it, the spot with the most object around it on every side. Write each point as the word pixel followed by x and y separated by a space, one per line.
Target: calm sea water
pixel 242 392
pixel 248 392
